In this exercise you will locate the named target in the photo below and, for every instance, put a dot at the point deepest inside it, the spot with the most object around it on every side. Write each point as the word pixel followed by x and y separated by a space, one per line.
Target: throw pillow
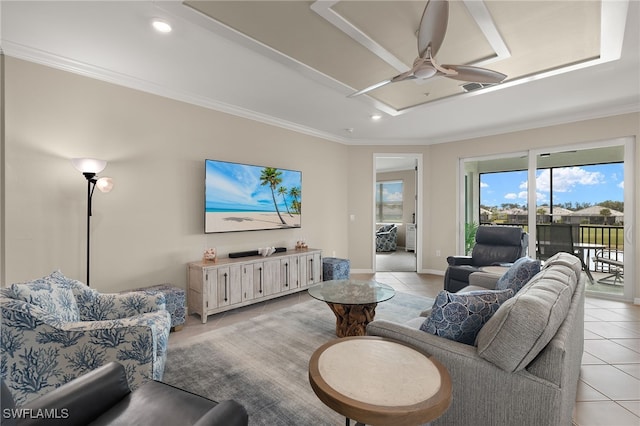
pixel 51 293
pixel 460 317
pixel 518 274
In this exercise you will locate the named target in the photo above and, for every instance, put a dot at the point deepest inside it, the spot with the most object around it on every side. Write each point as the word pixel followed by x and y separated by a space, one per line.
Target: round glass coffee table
pixel 353 302
pixel 379 381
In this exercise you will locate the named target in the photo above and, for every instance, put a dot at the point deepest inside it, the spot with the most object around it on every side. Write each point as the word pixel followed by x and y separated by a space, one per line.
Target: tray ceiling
pixel 359 43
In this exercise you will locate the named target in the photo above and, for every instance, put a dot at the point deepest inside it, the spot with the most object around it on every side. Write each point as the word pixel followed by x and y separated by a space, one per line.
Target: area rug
pixel 263 362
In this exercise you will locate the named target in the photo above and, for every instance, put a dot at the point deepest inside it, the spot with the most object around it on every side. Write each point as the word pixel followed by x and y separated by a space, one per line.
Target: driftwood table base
pixel 352 320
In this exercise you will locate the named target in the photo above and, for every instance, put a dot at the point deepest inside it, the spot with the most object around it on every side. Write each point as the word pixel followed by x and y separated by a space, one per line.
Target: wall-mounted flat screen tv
pixel 245 197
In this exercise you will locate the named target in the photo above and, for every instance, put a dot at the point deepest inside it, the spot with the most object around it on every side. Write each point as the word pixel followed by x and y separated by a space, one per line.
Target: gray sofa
pixel 524 367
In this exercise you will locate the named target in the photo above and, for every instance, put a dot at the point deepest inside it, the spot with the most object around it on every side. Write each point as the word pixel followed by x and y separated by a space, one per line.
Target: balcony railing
pixel 607 238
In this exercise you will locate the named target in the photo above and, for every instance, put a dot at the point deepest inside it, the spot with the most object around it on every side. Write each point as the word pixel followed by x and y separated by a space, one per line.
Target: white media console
pixel 230 283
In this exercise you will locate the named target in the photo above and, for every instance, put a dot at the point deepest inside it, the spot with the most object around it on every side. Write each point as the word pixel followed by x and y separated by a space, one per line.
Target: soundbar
pixel 254 252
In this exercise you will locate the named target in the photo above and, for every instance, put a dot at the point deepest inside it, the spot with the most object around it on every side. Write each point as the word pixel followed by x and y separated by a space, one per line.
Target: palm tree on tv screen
pixel 295 204
pixel 283 192
pixel 272 177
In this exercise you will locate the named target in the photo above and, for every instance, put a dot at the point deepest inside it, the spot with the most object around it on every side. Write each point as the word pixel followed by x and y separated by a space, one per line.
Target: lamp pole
pixel 91 186
pixel 89 167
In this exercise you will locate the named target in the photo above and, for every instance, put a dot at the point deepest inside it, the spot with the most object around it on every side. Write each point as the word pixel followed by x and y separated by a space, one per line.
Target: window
pixel 503 197
pixel 580 194
pixel 389 201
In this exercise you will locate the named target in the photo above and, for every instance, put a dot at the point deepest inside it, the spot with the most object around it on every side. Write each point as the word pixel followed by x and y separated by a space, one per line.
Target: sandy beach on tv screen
pixel 247 221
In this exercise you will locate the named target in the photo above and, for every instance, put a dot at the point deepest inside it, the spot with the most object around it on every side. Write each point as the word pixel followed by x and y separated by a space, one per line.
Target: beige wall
pixel 151 224
pixel 440 182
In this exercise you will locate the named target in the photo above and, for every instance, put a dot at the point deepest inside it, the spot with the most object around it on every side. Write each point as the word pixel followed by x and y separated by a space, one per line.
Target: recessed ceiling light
pixel 161 26
pixel 376 117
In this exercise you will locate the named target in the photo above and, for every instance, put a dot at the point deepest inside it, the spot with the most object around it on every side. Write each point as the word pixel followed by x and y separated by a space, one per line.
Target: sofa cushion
pixel 518 274
pixel 51 293
pixel 527 322
pixel 459 317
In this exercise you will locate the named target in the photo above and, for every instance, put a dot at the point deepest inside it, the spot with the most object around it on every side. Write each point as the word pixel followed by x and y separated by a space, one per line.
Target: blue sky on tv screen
pixel 237 187
pixel 578 184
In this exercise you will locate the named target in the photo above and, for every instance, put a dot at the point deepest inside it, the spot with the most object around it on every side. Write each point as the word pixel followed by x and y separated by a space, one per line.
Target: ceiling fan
pixel 433 27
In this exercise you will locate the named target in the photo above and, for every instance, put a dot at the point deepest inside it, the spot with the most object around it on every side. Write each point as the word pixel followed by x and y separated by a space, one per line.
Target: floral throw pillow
pixel 518 274
pixel 460 316
pixel 51 293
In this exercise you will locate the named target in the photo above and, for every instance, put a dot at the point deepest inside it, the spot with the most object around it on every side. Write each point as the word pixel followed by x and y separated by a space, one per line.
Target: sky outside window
pixel 582 185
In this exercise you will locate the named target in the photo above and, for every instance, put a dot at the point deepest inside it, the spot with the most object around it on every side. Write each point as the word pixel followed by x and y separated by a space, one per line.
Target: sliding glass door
pixel 582 202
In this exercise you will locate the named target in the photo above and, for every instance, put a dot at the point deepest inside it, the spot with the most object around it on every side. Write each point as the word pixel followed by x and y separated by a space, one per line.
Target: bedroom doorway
pixel 397 217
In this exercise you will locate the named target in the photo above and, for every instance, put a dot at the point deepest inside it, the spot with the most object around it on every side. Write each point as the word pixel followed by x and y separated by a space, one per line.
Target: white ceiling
pixel 209 64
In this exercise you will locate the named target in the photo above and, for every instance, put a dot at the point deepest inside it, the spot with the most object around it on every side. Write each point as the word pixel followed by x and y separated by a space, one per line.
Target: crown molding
pixel 65 64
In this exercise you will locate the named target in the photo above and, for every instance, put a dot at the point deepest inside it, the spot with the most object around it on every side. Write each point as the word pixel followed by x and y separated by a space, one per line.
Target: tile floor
pixel 609 387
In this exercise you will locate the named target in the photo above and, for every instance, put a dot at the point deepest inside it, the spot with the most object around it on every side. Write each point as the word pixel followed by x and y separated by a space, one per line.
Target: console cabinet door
pixel 317 268
pixel 229 286
pixel 224 283
pixel 288 277
pixel 272 277
pixel 258 280
pixel 211 282
pixel 310 268
pixel 247 282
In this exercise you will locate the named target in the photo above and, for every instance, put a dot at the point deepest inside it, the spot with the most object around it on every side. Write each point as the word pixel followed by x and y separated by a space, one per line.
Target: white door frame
pixel 418 203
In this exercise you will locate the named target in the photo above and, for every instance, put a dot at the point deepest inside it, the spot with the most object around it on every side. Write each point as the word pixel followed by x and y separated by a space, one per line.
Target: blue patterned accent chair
pixel 386 238
pixel 55 329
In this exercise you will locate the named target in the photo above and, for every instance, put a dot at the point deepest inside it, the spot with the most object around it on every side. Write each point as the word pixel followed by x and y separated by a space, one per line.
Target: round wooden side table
pixel 378 381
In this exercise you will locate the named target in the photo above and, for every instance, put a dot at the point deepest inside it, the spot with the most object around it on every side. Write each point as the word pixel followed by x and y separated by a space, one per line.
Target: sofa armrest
pixel 467 370
pixel 227 413
pixel 486 280
pixel 459 260
pixel 149 320
pixel 82 400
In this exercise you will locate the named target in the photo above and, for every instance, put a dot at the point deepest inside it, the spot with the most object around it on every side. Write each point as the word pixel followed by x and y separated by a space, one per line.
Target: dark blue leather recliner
pixel 495 246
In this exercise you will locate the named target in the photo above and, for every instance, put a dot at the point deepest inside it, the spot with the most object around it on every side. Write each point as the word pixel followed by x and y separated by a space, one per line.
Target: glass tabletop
pixel 352 292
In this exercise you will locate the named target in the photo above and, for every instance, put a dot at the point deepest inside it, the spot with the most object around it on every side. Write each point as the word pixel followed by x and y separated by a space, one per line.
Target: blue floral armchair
pixel 386 238
pixel 55 329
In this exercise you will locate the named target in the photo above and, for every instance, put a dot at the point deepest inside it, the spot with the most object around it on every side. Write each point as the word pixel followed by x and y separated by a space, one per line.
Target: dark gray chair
pixel 558 237
pixel 495 246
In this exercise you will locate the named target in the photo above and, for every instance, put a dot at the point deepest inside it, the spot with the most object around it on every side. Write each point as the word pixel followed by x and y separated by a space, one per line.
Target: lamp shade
pixel 105 184
pixel 88 165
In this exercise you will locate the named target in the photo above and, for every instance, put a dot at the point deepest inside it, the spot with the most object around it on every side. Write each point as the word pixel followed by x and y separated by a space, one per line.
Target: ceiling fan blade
pixel 433 26
pixel 407 75
pixel 474 74
pixel 370 88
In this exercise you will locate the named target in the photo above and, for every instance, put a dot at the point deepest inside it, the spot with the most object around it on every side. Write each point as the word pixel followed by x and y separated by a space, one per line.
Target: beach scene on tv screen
pixel 243 197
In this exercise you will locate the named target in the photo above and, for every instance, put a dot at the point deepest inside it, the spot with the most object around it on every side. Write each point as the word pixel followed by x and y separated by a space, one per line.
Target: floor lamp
pixel 90 167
